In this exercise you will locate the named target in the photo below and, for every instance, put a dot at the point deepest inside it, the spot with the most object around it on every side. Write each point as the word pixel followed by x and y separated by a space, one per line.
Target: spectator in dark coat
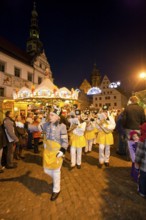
pixel 2 145
pixel 12 139
pixel 133 117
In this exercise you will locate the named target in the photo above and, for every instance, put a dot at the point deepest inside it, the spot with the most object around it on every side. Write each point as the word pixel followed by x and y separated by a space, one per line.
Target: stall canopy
pixel 46 90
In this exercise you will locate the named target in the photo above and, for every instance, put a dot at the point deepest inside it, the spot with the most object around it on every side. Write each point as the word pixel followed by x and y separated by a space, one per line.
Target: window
pixel 100 98
pixel 2 66
pixel 29 77
pixel 115 104
pixel 1 91
pixel 39 80
pixel 114 97
pixel 17 72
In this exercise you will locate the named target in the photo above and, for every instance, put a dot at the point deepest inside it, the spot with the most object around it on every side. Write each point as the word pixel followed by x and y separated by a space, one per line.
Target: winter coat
pixel 133 117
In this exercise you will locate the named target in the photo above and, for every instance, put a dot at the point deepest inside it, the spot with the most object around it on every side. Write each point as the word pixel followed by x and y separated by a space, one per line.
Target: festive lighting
pixel 94 91
pixel 114 85
pixel 46 90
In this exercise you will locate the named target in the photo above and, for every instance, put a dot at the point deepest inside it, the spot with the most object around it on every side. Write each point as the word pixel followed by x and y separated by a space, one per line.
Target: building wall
pixel 9 81
pixel 109 96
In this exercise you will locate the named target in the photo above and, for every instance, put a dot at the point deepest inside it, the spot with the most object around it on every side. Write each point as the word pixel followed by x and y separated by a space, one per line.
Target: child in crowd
pixel 132 145
pixel 140 161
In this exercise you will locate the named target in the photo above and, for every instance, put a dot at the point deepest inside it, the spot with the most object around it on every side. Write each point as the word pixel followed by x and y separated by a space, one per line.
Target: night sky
pixel 76 34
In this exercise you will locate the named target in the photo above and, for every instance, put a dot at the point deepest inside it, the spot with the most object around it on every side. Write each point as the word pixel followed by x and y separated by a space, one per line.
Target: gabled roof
pixel 15 52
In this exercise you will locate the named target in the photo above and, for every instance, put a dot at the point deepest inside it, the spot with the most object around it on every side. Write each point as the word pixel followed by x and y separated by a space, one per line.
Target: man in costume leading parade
pixel 55 145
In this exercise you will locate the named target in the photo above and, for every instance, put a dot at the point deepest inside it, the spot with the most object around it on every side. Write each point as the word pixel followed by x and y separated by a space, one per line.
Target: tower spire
pixel 95 76
pixel 34 46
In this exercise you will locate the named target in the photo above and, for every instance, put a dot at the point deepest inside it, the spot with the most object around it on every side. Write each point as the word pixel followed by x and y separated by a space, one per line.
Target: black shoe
pixel 100 165
pixel 11 166
pixel 79 166
pixel 106 164
pixel 71 168
pixel 54 196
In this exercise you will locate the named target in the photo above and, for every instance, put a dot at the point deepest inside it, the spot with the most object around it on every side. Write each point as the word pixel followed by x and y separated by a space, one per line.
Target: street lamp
pixel 143 75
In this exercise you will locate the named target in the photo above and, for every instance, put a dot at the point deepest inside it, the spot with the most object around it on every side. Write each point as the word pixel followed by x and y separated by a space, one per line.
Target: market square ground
pixel 89 192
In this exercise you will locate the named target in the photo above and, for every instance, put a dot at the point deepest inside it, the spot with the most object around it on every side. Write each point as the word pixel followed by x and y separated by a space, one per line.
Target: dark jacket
pixel 3 140
pixel 9 126
pixel 133 117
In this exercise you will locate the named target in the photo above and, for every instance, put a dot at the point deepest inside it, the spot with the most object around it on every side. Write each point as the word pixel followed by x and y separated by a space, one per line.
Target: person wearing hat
pixel 55 143
pixel 55 146
pixel 105 124
pixel 77 141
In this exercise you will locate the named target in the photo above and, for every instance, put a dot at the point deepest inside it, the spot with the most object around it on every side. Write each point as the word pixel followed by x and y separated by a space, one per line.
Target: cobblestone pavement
pixel 89 192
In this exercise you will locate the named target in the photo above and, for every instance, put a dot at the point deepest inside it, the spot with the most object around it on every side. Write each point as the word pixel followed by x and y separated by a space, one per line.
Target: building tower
pixel 95 77
pixel 34 46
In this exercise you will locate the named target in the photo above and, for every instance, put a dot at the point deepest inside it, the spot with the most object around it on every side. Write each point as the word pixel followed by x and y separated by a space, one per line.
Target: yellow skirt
pixel 89 135
pixel 78 141
pixel 106 139
pixel 50 161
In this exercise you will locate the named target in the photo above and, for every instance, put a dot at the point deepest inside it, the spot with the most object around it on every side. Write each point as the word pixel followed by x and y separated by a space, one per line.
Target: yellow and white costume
pixel 77 143
pixel 105 136
pixel 89 136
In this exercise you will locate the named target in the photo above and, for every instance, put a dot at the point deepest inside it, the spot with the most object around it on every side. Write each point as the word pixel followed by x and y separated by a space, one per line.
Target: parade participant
pixel 73 121
pixel 94 115
pixel 89 132
pixel 55 145
pixel 105 124
pixel 77 141
pixel 132 144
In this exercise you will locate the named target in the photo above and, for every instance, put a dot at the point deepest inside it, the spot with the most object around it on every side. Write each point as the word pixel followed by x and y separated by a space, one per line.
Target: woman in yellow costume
pixel 77 142
pixel 105 124
pixel 89 132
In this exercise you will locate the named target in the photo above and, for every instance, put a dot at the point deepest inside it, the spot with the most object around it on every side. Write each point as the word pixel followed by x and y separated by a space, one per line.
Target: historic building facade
pixel 22 69
pixel 112 97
